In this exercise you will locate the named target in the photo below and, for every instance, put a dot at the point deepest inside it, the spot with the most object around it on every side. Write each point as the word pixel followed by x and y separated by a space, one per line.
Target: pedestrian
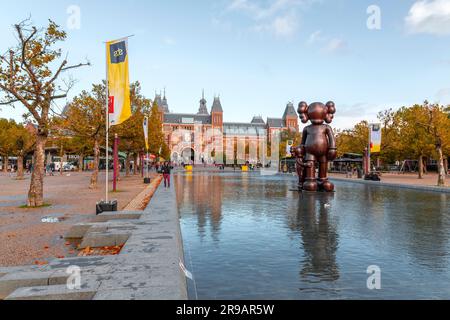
pixel 166 170
pixel 348 171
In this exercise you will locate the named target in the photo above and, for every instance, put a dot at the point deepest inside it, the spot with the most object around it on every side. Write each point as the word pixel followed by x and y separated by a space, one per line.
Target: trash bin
pixel 360 174
pixel 106 207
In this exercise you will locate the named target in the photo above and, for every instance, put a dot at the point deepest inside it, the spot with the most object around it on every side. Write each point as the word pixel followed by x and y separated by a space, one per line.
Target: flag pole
pixel 107 127
pixel 148 168
pixel 107 115
pixel 369 150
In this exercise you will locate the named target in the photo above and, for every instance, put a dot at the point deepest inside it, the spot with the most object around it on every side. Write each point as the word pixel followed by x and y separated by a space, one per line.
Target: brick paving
pixel 25 239
pixel 142 200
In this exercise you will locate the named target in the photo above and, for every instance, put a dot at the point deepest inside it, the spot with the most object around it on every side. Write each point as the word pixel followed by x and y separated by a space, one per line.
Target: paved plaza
pixel 26 239
pixel 410 179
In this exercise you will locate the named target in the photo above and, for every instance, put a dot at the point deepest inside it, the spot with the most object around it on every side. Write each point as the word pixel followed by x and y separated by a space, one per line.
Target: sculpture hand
pixel 332 154
pixel 293 151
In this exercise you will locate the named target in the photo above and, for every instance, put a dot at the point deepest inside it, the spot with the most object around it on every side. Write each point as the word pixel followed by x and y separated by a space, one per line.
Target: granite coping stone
pixel 56 292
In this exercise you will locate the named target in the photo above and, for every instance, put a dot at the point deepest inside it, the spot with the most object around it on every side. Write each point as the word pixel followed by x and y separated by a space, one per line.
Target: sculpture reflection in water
pixel 319 236
pixel 318 146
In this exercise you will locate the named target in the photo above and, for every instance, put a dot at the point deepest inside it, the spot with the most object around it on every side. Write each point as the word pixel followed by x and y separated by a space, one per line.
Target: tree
pixel 288 135
pixel 131 131
pixel 391 146
pixel 29 75
pixel 15 140
pixel 353 140
pixel 24 143
pixel 437 126
pixel 415 140
pixel 85 120
pixel 6 141
pixel 155 133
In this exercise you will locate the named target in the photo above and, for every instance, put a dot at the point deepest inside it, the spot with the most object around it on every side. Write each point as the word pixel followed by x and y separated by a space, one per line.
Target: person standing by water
pixel 166 171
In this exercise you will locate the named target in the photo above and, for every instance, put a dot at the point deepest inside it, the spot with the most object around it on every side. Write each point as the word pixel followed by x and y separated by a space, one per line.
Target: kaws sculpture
pixel 318 146
pixel 300 165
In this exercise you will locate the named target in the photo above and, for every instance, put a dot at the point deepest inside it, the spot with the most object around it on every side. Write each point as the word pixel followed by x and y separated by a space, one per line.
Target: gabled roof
pixel 217 105
pixel 275 123
pixel 289 111
pixel 258 120
pixel 177 118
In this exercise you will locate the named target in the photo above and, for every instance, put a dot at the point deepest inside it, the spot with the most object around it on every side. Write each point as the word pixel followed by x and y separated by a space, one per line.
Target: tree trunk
pixel 19 167
pixel 81 163
pixel 421 167
pixel 135 168
pixel 94 177
pixel 127 165
pixel 446 165
pixel 36 191
pixel 441 169
pixel 5 163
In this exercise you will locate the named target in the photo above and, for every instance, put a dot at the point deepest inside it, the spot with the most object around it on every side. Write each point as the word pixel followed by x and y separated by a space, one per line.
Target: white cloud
pixel 259 12
pixel 282 26
pixel 315 37
pixel 278 17
pixel 336 45
pixel 429 16
pixel 327 43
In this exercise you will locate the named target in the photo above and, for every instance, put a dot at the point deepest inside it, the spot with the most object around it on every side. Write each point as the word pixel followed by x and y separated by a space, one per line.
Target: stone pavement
pixel 406 181
pixel 27 239
pixel 148 267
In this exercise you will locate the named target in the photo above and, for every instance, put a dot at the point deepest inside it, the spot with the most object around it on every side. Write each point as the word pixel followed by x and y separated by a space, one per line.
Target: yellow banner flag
pixel 145 125
pixel 119 103
pixel 375 138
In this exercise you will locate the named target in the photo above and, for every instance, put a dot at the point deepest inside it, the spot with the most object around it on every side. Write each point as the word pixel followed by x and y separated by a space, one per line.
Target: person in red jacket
pixel 166 170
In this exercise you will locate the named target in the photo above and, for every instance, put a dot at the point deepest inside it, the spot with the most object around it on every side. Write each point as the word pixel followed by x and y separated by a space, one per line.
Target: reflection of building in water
pixel 320 238
pixel 248 137
pixel 204 192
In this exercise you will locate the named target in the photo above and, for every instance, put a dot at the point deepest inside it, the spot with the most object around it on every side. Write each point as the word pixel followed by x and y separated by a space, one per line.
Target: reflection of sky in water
pixel 250 237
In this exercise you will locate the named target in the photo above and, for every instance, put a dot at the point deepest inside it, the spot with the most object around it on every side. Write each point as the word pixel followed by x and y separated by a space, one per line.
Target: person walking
pixel 166 170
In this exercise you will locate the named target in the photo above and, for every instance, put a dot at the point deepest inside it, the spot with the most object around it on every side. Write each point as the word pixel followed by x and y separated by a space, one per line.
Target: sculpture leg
pixel 324 183
pixel 310 182
pixel 301 175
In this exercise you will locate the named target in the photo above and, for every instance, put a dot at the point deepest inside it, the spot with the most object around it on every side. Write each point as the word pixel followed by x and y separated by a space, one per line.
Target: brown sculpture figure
pixel 318 146
pixel 300 165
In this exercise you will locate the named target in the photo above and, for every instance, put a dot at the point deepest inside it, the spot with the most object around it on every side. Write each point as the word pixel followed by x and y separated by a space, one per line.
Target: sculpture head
pixel 317 112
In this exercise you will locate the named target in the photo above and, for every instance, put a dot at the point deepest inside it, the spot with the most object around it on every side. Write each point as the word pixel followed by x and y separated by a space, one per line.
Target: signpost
pixel 145 126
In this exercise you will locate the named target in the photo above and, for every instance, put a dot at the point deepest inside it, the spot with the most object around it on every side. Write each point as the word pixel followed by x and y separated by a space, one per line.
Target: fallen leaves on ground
pixel 103 251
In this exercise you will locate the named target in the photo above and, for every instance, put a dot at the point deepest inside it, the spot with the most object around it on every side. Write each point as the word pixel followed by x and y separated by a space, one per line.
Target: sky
pixel 259 55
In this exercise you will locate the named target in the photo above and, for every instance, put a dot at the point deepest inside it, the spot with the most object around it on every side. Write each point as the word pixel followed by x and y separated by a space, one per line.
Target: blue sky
pixel 259 55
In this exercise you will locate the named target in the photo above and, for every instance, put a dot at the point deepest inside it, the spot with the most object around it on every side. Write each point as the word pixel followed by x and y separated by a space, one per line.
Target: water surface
pixel 250 237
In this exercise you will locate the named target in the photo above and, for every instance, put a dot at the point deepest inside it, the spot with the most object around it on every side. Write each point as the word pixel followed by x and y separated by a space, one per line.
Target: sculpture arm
pixel 304 138
pixel 332 150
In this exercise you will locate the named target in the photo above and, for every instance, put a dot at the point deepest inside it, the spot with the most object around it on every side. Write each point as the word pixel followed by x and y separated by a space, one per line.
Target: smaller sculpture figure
pixel 300 165
pixel 318 146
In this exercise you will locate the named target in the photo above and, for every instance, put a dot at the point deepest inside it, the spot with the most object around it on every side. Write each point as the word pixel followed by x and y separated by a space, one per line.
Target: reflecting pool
pixel 248 236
